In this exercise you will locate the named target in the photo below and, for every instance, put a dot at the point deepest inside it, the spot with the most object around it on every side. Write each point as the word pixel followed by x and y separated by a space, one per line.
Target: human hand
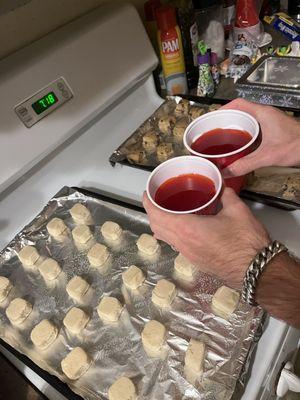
pixel 280 139
pixel 222 245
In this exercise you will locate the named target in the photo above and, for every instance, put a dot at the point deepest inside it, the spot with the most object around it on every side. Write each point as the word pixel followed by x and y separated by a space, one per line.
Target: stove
pixel 67 101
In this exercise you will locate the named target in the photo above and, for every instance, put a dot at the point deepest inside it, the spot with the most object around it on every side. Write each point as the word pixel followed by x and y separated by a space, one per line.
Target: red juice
pixel 221 141
pixel 185 192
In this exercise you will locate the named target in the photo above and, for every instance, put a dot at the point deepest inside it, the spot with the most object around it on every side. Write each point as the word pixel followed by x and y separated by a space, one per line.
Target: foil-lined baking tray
pixel 117 350
pixel 168 123
pixel 272 80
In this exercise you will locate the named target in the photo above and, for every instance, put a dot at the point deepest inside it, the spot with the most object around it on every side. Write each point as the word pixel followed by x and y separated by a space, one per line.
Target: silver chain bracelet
pixel 256 268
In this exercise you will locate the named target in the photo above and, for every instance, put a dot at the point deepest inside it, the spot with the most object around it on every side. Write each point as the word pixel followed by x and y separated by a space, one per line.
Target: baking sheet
pixel 134 144
pixel 117 350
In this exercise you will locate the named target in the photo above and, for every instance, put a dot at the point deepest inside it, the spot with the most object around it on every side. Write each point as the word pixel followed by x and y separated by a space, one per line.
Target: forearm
pixel 278 290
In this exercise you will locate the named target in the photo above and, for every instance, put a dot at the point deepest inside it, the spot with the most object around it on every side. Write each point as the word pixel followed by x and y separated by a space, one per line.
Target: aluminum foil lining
pixel 273 80
pixel 116 350
pixel 175 111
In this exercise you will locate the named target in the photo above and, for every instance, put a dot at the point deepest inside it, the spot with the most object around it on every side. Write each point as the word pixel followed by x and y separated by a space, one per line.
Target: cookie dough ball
pixel 77 288
pixel 109 309
pixel 76 363
pixel 76 320
pixel 18 311
pixel 49 269
pixel 184 267
pixel 153 336
pixel 194 357
pixel 82 234
pixel 56 227
pixel 133 277
pixel 137 157
pixel 214 107
pixel 29 255
pixel 196 112
pixel 44 334
pixel 182 108
pixel 147 244
pixel 122 389
pixel 80 214
pixel 164 293
pixel 166 124
pixel 180 128
pixel 111 230
pixel 150 141
pixel 5 288
pixel 225 301
pixel 164 151
pixel 98 255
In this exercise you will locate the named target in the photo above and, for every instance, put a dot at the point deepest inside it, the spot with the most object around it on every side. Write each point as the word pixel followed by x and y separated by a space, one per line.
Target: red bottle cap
pixel 150 7
pixel 166 18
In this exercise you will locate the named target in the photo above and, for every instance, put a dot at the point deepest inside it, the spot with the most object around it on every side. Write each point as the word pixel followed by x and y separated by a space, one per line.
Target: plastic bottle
pixel 171 50
pixel 206 85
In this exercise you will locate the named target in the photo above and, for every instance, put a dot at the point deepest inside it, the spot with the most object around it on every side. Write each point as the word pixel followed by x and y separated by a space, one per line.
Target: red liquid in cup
pixel 221 141
pixel 185 192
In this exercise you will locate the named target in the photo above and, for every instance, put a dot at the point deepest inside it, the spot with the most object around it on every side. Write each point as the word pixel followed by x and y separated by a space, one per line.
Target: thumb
pixel 229 200
pixel 241 167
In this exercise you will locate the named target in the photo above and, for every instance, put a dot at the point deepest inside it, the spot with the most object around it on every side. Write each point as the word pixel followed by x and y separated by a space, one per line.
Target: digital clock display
pixel 44 102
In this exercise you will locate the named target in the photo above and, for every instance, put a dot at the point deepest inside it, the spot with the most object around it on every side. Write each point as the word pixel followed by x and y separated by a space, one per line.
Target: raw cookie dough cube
pixel 184 267
pixel 18 311
pixel 49 269
pixel 109 309
pixel 98 255
pixel 82 234
pixel 194 357
pixel 225 301
pixel 44 334
pixel 164 293
pixel 29 255
pixel 77 287
pixel 80 214
pixel 182 108
pixel 166 124
pixel 150 141
pixel 153 336
pixel 122 389
pixel 76 320
pixel 76 363
pixel 164 151
pixel 5 288
pixel 196 112
pixel 56 227
pixel 179 129
pixel 133 277
pixel 111 230
pixel 147 244
pixel 136 157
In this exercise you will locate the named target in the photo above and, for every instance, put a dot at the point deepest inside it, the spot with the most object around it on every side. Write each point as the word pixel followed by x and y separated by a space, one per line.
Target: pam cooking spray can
pixel 171 50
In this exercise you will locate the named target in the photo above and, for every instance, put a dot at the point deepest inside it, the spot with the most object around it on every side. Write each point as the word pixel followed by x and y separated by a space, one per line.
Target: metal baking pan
pixel 230 344
pixel 272 80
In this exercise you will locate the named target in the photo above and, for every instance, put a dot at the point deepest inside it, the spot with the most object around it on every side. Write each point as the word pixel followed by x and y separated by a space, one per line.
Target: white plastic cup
pixel 181 166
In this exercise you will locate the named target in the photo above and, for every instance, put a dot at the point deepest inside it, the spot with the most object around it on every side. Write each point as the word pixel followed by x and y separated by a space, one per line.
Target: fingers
pixel 242 166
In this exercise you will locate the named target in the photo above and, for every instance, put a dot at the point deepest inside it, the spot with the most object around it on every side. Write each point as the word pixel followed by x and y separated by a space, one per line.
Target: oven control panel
pixel 42 103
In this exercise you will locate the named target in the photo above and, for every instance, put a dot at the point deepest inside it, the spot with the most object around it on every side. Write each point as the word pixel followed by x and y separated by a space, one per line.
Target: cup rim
pixel 195 210
pixel 241 149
